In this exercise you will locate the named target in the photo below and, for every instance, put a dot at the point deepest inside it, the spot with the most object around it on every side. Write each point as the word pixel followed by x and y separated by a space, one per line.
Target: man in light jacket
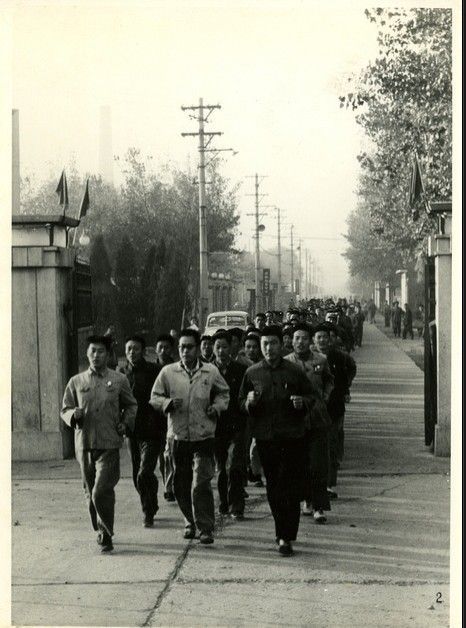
pixel 192 394
pixel 99 405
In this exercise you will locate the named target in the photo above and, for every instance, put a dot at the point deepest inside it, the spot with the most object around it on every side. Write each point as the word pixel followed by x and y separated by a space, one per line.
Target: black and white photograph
pixel 232 281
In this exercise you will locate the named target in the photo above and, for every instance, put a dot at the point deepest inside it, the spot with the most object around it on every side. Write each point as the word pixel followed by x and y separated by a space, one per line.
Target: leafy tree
pixel 403 102
pixel 103 291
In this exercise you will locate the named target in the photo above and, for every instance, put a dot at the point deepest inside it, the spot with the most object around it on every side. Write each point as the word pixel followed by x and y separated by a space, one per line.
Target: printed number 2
pixel 439 598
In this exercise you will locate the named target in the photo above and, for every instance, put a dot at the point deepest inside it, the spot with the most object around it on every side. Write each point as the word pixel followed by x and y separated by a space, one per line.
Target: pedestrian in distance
pixel 254 471
pixel 112 362
pixel 396 319
pixel 192 394
pixel 194 323
pixel 407 318
pixel 148 439
pixel 230 433
pixel 237 352
pixel 99 405
pixel 259 321
pixel 387 312
pixel 277 395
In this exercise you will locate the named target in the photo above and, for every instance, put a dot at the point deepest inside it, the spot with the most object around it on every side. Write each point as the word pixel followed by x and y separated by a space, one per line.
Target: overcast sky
pixel 277 70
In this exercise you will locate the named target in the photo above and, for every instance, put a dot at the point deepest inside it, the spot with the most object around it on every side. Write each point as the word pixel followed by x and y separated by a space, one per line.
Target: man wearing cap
pixel 99 405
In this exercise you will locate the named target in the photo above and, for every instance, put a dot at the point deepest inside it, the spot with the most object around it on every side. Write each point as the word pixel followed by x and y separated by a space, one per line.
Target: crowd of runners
pixel 262 406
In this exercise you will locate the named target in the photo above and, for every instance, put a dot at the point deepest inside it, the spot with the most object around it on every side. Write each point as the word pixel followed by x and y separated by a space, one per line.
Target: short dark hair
pixel 254 337
pixel 272 330
pixel 260 315
pixel 327 327
pixel 287 330
pixel 302 327
pixel 100 340
pixel 136 338
pixel 206 337
pixel 191 333
pixel 236 332
pixel 222 335
pixel 165 338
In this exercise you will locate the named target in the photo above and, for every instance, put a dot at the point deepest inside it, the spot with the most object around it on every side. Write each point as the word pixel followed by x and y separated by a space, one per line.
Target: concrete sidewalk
pixel 382 559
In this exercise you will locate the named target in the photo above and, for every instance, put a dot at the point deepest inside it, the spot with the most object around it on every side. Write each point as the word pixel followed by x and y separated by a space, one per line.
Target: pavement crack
pixel 168 584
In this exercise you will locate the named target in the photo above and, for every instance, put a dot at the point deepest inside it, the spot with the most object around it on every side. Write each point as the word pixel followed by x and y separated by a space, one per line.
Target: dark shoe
pixel 237 516
pixel 319 517
pixel 148 522
pixel 331 494
pixel 169 497
pixel 206 538
pixel 189 532
pixel 285 548
pixel 105 541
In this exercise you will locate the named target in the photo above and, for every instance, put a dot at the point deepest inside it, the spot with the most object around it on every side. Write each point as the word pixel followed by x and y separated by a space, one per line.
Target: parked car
pixel 226 320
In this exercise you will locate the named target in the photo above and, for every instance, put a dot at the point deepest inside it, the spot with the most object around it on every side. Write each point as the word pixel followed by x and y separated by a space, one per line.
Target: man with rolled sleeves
pixel 192 394
pixel 277 395
pixel 101 408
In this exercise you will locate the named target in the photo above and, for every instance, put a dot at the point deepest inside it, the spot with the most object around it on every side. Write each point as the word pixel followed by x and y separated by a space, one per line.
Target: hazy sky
pixel 277 70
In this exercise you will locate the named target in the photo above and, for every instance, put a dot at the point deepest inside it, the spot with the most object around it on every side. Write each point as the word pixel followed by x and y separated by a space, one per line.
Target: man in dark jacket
pixel 277 396
pixel 148 437
pixel 343 369
pixel 230 432
pixel 396 319
pixel 407 322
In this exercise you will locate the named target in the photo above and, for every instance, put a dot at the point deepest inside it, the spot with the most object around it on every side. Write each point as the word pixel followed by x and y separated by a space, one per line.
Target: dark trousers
pixel 283 461
pixel 317 469
pixel 397 328
pixel 408 329
pixel 194 468
pixel 144 456
pixel 335 448
pixel 229 456
pixel 100 472
pixel 387 319
pixel 357 333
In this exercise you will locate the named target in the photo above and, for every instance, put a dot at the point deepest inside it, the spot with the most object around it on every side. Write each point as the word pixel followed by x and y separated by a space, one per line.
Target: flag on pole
pixel 417 195
pixel 85 202
pixel 62 191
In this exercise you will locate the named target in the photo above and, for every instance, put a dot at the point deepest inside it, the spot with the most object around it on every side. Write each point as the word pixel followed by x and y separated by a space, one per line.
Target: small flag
pixel 85 202
pixel 62 191
pixel 417 195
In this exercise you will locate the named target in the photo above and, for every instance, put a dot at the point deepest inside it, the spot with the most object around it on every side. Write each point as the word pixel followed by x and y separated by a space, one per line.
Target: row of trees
pixel 403 101
pixel 144 250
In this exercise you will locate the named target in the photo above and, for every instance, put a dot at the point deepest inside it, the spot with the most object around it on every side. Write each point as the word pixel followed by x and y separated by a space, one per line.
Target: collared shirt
pixel 317 371
pixel 274 415
pixel 107 400
pixel 206 387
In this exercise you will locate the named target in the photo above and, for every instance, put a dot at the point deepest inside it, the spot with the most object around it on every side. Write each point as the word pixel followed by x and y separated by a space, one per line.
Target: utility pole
pixel 306 291
pixel 203 250
pixel 300 274
pixel 279 251
pixel 292 263
pixel 257 229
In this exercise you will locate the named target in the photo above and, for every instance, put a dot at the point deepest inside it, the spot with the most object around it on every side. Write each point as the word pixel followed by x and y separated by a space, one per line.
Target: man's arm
pixel 328 381
pixel 160 394
pixel 128 404
pixel 69 404
pixel 221 393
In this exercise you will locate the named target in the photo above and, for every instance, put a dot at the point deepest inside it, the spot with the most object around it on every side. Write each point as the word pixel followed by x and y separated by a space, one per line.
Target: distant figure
pixel 407 322
pixel 174 335
pixel 387 312
pixel 112 361
pixel 421 320
pixel 193 323
pixel 396 319
pixel 371 309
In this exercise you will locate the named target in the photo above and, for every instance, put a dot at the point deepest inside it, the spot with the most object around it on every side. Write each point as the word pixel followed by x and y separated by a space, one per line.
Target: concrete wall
pixel 40 288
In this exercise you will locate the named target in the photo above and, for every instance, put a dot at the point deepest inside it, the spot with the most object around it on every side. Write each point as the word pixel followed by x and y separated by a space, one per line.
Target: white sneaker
pixel 319 516
pixel 307 509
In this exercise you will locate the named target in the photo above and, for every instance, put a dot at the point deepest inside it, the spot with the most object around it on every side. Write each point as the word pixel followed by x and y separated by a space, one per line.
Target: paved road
pixel 382 559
